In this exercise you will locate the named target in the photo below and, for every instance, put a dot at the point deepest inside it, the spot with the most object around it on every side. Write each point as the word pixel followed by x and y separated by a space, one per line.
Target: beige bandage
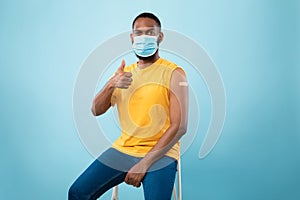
pixel 183 84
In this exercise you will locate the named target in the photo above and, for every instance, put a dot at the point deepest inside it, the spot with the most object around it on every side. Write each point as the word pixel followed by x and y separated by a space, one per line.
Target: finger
pixel 122 66
pixel 126 80
pixel 127 74
pixel 122 86
pixel 137 184
pixel 128 179
pixel 135 180
pixel 131 179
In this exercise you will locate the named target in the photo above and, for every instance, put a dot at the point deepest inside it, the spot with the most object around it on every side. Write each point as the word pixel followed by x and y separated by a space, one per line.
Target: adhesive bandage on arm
pixel 183 84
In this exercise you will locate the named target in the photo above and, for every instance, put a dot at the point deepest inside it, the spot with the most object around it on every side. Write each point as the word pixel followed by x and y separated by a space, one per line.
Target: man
pixel 152 100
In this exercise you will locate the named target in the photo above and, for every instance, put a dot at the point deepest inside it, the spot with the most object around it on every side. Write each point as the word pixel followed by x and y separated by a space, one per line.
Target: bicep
pixel 179 98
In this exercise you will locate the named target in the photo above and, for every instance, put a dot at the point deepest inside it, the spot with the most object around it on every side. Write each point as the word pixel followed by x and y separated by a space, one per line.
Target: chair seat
pixel 176 196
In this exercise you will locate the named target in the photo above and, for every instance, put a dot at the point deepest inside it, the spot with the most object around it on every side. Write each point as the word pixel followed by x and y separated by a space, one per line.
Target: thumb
pixel 122 66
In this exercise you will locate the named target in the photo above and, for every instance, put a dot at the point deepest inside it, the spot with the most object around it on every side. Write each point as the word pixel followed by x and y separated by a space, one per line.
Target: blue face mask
pixel 145 45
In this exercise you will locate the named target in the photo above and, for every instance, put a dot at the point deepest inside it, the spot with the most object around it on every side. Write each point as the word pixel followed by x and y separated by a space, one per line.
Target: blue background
pixel 254 44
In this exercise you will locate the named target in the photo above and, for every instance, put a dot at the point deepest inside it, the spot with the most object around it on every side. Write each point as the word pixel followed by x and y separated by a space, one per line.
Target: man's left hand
pixel 136 174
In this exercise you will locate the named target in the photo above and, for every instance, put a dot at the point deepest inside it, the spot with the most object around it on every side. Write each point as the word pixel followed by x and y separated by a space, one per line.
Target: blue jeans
pixel 110 170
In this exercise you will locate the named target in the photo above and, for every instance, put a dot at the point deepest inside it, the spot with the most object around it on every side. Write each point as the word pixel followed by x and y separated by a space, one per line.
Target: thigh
pixel 158 184
pixel 98 177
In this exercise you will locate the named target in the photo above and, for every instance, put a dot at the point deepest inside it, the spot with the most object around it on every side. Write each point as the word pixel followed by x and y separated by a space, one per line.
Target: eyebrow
pixel 144 29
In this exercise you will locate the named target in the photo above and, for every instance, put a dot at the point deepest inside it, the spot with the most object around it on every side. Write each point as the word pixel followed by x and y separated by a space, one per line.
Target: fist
pixel 122 79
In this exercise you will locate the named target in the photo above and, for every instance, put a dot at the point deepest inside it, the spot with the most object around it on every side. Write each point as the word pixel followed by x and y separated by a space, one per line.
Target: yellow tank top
pixel 143 109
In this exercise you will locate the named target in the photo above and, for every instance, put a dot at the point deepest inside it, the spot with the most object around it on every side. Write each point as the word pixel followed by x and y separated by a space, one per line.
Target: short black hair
pixel 147 15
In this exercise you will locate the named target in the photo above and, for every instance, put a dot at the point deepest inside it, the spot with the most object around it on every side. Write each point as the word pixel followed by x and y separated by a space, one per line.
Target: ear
pixel 131 37
pixel 160 37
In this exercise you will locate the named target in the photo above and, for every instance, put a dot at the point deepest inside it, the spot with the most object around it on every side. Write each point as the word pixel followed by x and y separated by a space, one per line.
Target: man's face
pixel 146 26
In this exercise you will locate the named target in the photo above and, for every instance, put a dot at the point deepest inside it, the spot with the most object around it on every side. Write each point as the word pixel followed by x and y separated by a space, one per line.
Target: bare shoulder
pixel 180 71
pixel 178 74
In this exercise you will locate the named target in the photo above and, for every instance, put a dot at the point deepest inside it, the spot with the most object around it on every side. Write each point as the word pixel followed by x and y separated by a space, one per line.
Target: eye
pixel 150 32
pixel 137 32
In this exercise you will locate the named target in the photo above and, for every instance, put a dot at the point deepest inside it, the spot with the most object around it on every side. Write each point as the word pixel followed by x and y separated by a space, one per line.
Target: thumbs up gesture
pixel 122 79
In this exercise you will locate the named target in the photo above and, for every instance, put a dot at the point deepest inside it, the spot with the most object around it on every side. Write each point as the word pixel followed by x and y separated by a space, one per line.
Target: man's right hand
pixel 122 79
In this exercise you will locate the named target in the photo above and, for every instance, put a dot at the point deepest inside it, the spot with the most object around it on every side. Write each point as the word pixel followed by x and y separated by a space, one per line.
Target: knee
pixel 72 193
pixel 75 193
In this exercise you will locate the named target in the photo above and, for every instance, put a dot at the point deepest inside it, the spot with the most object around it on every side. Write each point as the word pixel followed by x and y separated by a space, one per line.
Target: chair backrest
pixel 177 195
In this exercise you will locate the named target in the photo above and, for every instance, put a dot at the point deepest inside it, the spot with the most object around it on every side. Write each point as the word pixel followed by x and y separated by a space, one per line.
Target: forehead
pixel 144 23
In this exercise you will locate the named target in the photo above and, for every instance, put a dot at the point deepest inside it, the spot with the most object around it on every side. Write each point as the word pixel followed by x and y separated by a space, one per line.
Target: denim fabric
pixel 110 170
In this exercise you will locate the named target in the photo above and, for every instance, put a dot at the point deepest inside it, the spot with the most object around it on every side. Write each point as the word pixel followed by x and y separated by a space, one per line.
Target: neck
pixel 145 62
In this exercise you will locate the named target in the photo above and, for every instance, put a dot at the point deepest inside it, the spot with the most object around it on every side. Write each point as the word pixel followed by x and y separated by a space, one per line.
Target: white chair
pixel 175 195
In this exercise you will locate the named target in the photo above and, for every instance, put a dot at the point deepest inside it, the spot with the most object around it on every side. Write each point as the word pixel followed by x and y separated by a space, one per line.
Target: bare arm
pixel 102 101
pixel 178 118
pixel 178 126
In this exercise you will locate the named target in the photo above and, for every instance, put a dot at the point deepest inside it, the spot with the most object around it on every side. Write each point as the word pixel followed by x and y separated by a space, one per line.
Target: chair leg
pixel 115 193
pixel 179 180
pixel 178 196
pixel 174 192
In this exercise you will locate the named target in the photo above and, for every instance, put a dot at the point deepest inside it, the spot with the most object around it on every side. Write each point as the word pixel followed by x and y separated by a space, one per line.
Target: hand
pixel 136 174
pixel 122 79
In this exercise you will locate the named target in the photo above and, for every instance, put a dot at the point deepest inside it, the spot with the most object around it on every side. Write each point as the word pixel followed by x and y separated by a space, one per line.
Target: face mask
pixel 145 45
